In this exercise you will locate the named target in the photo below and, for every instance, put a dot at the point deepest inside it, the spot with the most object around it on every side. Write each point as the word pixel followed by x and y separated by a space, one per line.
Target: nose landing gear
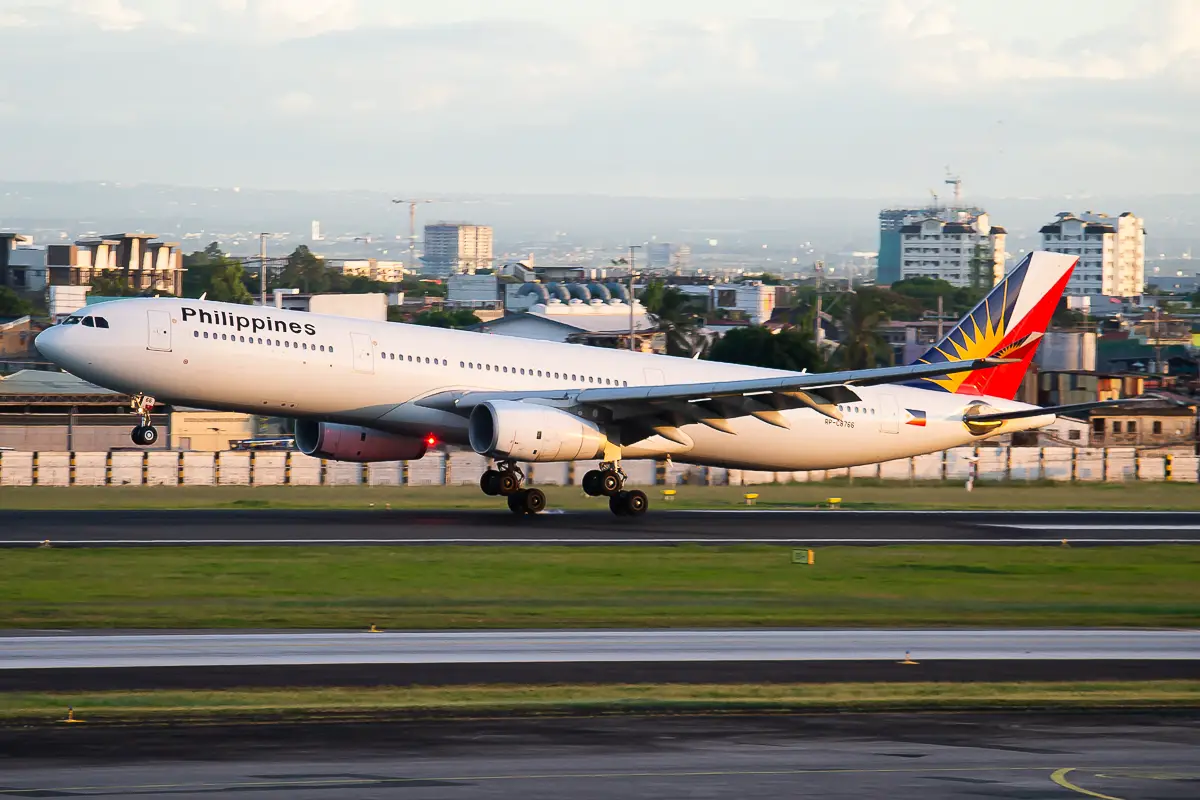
pixel 145 434
pixel 507 482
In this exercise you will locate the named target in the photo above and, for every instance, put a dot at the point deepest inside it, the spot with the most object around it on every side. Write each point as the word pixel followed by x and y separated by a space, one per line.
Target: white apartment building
pixel 1111 250
pixel 939 247
pixel 376 270
pixel 452 247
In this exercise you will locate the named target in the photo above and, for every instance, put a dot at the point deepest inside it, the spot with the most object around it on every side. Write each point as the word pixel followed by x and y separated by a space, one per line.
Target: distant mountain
pixel 830 225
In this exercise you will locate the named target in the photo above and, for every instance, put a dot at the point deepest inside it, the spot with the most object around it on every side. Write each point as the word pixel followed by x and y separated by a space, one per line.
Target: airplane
pixel 364 391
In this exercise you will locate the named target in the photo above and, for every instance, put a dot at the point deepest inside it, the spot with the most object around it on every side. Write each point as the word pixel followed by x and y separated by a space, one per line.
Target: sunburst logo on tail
pixel 980 335
pixel 1009 323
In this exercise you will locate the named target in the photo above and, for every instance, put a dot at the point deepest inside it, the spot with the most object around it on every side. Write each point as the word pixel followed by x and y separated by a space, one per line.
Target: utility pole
pixel 819 269
pixel 262 266
pixel 632 248
pixel 939 339
pixel 1157 344
pixel 412 230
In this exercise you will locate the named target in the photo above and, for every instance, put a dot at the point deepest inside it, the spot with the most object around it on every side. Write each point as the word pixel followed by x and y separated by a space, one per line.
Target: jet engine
pixel 352 443
pixel 530 432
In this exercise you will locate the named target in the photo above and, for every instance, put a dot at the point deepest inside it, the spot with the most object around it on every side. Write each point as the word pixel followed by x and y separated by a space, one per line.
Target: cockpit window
pixel 88 322
pixel 71 321
pixel 101 322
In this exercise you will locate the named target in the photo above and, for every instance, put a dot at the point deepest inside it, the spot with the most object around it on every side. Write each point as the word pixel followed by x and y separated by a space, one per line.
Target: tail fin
pixel 1008 323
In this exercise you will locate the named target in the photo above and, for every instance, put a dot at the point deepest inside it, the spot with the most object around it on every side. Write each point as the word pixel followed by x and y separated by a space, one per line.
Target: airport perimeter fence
pixel 276 468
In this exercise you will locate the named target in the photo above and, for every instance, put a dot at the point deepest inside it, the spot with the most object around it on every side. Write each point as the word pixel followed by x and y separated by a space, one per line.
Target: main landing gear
pixel 144 434
pixel 609 481
pixel 507 482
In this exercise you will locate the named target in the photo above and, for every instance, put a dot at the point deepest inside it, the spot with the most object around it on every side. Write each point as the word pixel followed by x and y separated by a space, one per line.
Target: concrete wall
pixel 271 468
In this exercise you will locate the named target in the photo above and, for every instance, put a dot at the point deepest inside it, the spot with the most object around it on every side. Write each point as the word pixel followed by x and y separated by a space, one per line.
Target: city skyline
pixel 773 99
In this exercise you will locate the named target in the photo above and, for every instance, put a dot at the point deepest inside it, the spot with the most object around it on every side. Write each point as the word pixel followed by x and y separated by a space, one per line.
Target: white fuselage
pixel 374 374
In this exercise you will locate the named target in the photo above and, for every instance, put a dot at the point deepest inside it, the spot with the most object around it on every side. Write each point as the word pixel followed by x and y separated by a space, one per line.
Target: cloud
pixel 868 97
pixel 108 15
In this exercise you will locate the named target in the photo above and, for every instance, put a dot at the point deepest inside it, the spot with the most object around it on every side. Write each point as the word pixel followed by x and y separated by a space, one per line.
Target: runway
pixel 1114 755
pixel 498 647
pixel 61 662
pixel 108 528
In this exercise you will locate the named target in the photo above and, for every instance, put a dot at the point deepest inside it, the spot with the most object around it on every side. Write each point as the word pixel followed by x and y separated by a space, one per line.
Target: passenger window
pixel 556 376
pixel 101 322
pixel 206 334
pixel 573 377
pixel 624 383
pixel 322 348
pixel 331 348
pixel 196 334
pixel 287 344
pixel 506 369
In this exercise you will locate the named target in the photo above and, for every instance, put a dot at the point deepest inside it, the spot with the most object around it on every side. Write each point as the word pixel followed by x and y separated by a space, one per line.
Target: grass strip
pixel 866 494
pixel 375 702
pixel 610 587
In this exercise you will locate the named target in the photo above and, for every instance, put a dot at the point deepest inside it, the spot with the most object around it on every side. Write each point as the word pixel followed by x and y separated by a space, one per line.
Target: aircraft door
pixel 889 414
pixel 364 352
pixel 158 330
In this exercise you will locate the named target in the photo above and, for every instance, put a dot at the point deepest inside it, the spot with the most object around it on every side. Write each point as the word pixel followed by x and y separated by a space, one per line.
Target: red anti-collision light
pixel 431 440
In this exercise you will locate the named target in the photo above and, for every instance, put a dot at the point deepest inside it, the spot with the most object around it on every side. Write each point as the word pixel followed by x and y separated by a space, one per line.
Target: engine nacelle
pixel 530 432
pixel 352 443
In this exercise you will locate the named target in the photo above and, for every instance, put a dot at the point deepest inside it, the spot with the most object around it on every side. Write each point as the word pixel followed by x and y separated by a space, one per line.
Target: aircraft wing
pixel 661 409
pixel 1001 416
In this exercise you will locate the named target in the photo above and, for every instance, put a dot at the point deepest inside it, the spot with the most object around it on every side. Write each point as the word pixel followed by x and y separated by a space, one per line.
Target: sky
pixel 676 98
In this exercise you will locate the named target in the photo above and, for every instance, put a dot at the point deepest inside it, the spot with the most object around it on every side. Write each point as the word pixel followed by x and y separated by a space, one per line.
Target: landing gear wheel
pixel 610 482
pixel 508 483
pixel 593 483
pixel 527 501
pixel 629 504
pixel 144 435
pixel 535 501
pixel 489 482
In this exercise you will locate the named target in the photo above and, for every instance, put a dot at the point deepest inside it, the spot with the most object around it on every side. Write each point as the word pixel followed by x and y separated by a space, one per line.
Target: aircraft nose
pixel 50 343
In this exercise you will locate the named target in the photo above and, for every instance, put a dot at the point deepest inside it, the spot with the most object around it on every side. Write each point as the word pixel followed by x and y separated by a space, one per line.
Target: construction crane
pixel 412 229
pixel 956 182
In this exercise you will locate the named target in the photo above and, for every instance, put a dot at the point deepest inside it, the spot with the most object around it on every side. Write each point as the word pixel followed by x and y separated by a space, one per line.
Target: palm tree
pixel 861 345
pixel 668 308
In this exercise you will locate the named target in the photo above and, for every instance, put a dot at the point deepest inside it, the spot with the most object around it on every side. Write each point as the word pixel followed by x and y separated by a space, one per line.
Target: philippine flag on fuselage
pixel 915 417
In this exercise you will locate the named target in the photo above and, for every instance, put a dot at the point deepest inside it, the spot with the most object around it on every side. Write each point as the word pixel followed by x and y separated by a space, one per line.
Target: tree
pixel 791 348
pixel 112 284
pixel 227 283
pixel 212 273
pixel 305 271
pixel 861 346
pixel 457 318
pixel 12 305
pixel 956 301
pixel 670 311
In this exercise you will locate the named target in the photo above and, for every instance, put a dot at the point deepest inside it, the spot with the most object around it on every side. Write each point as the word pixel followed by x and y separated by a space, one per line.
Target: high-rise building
pixel 891 220
pixel 1111 250
pixel 315 234
pixel 452 247
pixel 961 247
pixel 658 254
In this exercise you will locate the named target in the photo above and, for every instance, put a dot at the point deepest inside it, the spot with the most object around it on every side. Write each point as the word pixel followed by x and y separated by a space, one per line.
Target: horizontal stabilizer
pixel 1001 416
